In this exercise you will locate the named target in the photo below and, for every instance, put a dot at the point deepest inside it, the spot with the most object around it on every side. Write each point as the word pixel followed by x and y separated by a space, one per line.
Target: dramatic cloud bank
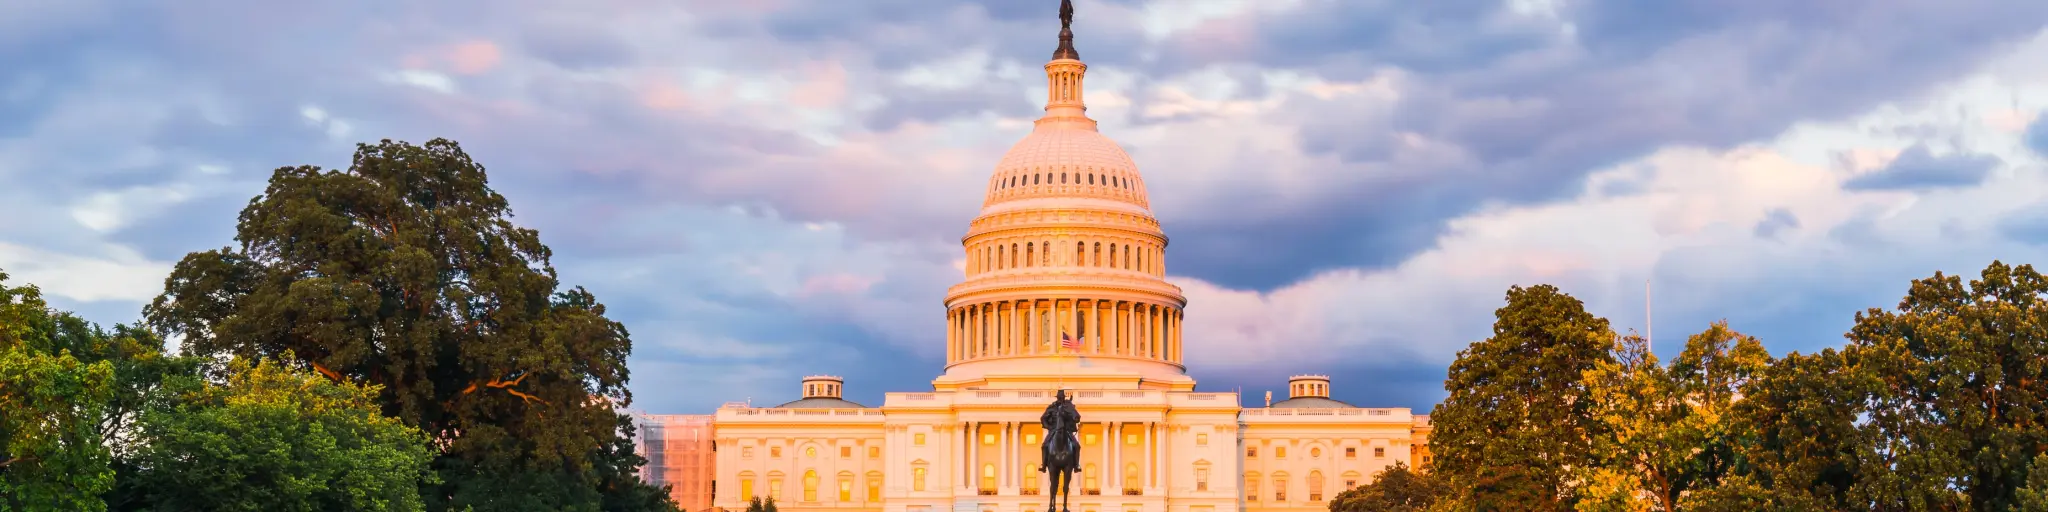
pixel 763 190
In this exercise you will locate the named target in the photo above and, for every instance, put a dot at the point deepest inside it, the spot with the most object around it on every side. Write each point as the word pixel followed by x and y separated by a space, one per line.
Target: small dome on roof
pixel 1312 402
pixel 820 403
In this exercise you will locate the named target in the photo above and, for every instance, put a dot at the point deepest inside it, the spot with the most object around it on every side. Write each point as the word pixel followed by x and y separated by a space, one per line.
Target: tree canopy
pixel 1395 489
pixel 52 453
pixel 276 439
pixel 1519 419
pixel 405 272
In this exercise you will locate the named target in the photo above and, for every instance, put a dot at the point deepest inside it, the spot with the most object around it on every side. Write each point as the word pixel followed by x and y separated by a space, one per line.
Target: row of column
pixel 999 255
pixel 1010 457
pixel 1033 327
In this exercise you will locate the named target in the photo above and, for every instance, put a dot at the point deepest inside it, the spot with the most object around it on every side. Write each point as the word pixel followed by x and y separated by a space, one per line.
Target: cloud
pixel 1916 169
pixel 766 189
pixel 2037 135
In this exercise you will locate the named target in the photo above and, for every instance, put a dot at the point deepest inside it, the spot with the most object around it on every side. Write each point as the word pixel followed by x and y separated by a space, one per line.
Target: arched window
pixel 1095 258
pixel 1063 177
pixel 1091 179
pixel 1045 256
pixel 1030 254
pixel 1201 475
pixel 747 485
pixel 1080 254
pixel 1000 250
pixel 1315 486
pixel 1089 485
pixel 775 485
pixel 874 486
pixel 1013 255
pixel 1131 481
pixel 988 478
pixel 917 475
pixel 845 486
pixel 1112 255
pixel 811 485
pixel 1030 477
pixel 1251 487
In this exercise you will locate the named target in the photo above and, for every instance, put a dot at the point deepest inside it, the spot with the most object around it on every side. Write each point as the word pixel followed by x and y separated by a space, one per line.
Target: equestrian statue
pixel 1061 449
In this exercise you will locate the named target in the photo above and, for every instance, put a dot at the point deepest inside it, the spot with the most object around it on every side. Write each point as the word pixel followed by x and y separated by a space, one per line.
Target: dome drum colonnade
pixel 1065 244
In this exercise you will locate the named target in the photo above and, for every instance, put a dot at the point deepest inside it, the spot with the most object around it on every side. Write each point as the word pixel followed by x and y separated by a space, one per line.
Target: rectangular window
pixel 874 489
pixel 775 452
pixel 845 490
pixel 775 488
pixel 746 452
pixel 1279 490
pixel 1131 439
pixel 917 439
pixel 917 479
pixel 1201 479
pixel 846 451
pixel 1280 452
pixel 874 452
pixel 1088 439
pixel 1201 439
pixel 1379 453
pixel 1350 484
pixel 1251 452
pixel 1251 490
pixel 1030 438
pixel 747 488
pixel 1350 453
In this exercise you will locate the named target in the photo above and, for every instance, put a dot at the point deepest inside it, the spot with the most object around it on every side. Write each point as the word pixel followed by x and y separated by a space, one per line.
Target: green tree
pixel 1669 429
pixel 52 454
pixel 1800 446
pixel 276 439
pixel 759 504
pixel 1960 410
pixel 405 272
pixel 1519 421
pixel 1395 489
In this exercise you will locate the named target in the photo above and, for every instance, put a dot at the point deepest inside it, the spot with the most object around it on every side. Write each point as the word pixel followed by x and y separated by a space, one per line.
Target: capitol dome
pixel 1065 261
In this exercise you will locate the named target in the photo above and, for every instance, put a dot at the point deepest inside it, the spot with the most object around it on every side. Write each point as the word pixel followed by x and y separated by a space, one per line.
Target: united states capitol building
pixel 1065 244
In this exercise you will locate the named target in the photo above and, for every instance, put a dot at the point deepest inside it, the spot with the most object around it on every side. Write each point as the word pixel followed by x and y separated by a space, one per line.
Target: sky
pixel 769 189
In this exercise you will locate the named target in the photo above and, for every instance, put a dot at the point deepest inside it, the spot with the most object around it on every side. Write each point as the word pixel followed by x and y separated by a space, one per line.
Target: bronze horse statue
pixel 1061 449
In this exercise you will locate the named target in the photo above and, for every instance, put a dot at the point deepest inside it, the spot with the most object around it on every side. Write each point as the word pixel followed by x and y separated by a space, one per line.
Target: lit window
pixel 845 452
pixel 1280 452
pixel 1030 438
pixel 988 439
pixel 810 452
pixel 775 451
pixel 874 487
pixel 917 439
pixel 747 488
pixel 1131 439
pixel 774 487
pixel 988 478
pixel 874 451
pixel 1031 476
pixel 1201 439
pixel 1088 439
pixel 846 489
pixel 1251 488
pixel 810 486
pixel 917 482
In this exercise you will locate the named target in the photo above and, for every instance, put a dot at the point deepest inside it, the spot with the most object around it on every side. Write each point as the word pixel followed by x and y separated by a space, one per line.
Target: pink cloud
pixel 824 85
pixel 474 57
pixel 836 284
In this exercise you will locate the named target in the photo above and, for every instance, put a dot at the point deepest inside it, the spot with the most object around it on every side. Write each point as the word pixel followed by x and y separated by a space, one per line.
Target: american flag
pixel 1068 341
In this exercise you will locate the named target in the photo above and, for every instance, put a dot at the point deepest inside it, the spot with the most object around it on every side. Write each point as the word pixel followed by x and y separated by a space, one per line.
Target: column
pixel 1108 463
pixel 1003 458
pixel 1115 471
pixel 974 331
pixel 1150 454
pixel 1157 321
pixel 973 456
pixel 952 340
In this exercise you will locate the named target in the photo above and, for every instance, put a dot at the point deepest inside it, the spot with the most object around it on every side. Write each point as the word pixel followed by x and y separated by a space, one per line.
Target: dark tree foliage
pixel 1960 408
pixel 1519 418
pixel 1395 489
pixel 1797 443
pixel 405 272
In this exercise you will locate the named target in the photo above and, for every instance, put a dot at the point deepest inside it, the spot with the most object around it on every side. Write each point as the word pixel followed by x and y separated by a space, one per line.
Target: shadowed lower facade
pixel 1064 288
